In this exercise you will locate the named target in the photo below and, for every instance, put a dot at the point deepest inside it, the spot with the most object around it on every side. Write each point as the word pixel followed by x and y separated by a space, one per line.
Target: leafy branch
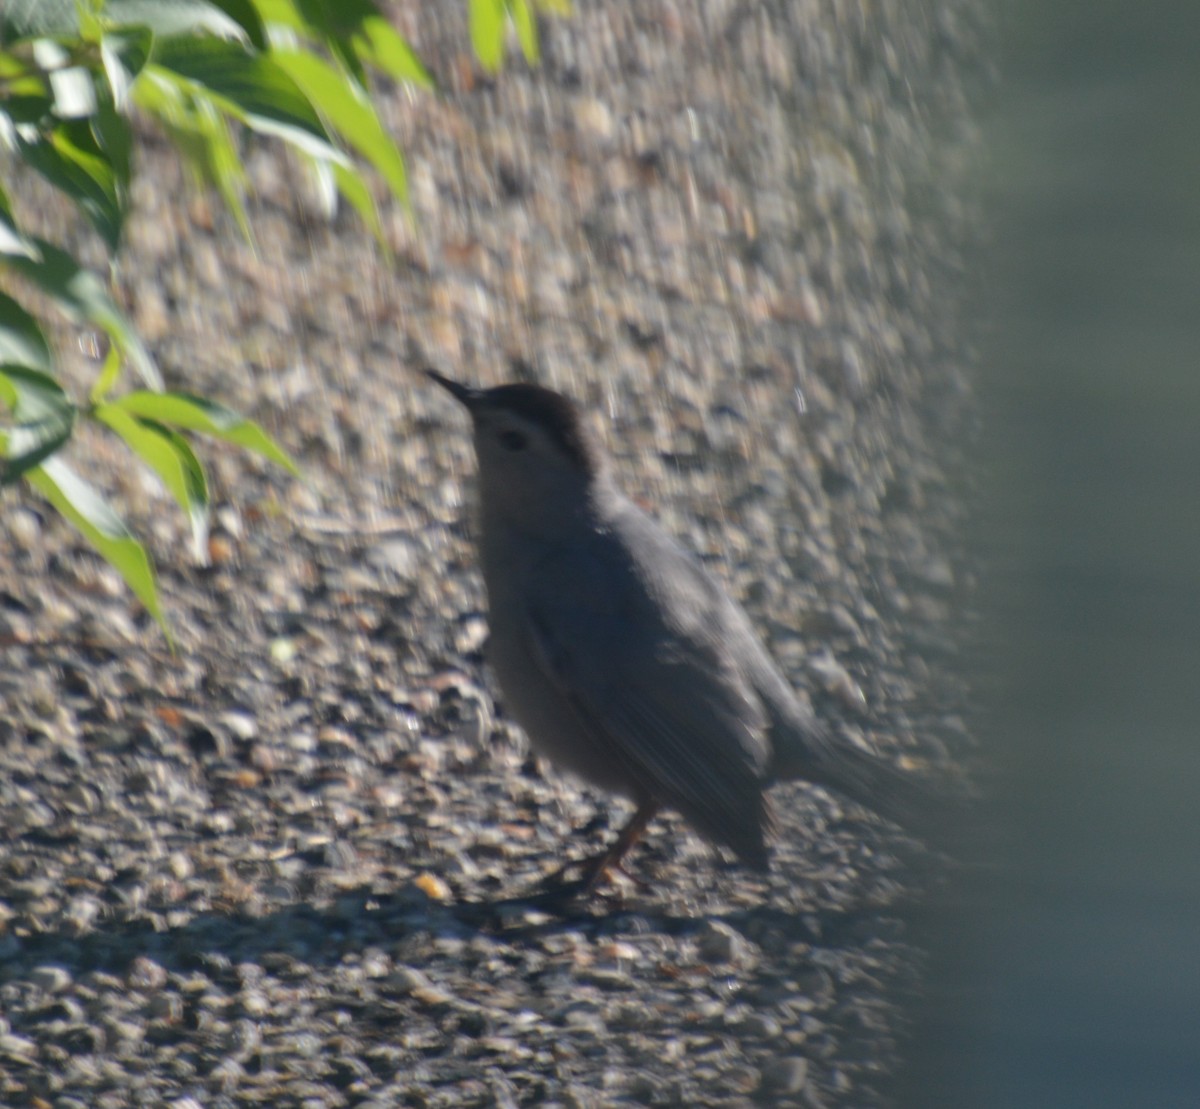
pixel 73 73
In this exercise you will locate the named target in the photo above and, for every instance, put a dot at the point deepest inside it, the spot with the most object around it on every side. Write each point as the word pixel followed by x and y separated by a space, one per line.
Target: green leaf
pixel 185 18
pixel 332 24
pixel 91 26
pixel 246 16
pixel 170 456
pixel 379 44
pixel 33 108
pixel 12 242
pixel 201 134
pixel 487 32
pixel 325 186
pixel 526 25
pixel 114 136
pixel 200 414
pixel 71 160
pixel 354 31
pixel 252 88
pixel 44 418
pixel 21 340
pixel 193 473
pixel 348 112
pixel 351 185
pixel 109 374
pixel 124 54
pixel 283 14
pixel 82 295
pixel 84 506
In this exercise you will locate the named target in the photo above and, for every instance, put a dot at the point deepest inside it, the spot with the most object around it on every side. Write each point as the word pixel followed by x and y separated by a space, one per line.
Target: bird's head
pixel 540 464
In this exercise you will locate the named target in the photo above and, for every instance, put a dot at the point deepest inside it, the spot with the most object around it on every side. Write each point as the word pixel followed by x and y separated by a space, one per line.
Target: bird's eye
pixel 513 440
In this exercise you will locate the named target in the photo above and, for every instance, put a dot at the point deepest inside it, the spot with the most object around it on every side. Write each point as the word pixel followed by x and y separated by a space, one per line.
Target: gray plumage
pixel 620 655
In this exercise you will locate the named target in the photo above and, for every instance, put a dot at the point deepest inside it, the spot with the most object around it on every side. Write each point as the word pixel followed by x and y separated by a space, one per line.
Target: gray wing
pixel 642 660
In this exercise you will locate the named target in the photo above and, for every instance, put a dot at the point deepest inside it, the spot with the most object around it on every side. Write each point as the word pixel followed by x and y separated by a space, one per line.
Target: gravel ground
pixel 283 865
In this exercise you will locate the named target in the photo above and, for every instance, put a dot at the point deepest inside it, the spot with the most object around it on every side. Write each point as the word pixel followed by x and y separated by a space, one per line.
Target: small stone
pixel 471 634
pixel 69 1102
pixel 785 1076
pixel 24 526
pixel 204 741
pixel 433 887
pixel 17 1048
pixel 611 979
pixel 595 120
pixel 719 943
pixel 78 683
pixel 843 621
pixel 243 1038
pixel 586 1021
pixel 406 980
pixel 761 1026
pixel 62 1012
pixel 51 979
pixel 855 372
pixel 228 1074
pixel 835 679
pixel 125 1031
pixel 81 913
pixel 254 1003
pixel 936 572
pixel 80 799
pixel 401 557
pixel 166 1006
pixel 241 725
pixel 375 964
pixel 146 974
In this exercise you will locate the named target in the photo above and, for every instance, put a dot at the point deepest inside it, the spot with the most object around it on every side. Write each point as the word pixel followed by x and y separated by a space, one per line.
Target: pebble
pixel 50 979
pixel 17 1049
pixel 24 527
pixel 146 974
pixel 241 725
pixel 595 120
pixel 834 678
pixel 761 1026
pixel 785 1076
pixel 719 943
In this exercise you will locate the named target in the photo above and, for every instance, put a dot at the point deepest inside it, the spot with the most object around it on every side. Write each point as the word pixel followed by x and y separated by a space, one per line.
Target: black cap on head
pixel 555 414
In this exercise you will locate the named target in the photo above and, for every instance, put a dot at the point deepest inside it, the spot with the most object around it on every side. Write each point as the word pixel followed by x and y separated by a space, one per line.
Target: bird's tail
pixel 915 801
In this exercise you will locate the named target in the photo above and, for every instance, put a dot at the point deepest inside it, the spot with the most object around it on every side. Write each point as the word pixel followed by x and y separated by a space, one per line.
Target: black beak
pixel 464 394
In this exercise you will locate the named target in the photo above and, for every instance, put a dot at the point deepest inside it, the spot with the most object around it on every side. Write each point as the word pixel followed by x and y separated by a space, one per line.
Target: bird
pixel 622 657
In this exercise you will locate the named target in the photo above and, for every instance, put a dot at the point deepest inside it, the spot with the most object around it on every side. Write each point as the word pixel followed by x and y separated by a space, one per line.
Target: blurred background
pixel 1066 966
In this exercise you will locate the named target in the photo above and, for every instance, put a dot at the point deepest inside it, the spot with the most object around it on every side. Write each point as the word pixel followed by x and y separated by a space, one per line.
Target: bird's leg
pixel 597 868
pixel 627 839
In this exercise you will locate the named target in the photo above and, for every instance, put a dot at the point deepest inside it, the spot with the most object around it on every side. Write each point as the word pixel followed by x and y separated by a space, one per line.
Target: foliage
pixel 488 21
pixel 72 73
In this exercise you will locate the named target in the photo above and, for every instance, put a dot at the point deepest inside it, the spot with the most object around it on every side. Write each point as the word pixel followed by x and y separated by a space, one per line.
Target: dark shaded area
pixel 1066 970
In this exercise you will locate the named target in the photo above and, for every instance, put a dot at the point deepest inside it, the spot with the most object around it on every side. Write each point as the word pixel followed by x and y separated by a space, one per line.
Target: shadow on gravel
pixel 303 935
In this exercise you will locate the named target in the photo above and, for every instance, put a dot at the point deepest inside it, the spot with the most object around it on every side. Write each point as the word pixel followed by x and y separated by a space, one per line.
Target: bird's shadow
pixel 215 942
